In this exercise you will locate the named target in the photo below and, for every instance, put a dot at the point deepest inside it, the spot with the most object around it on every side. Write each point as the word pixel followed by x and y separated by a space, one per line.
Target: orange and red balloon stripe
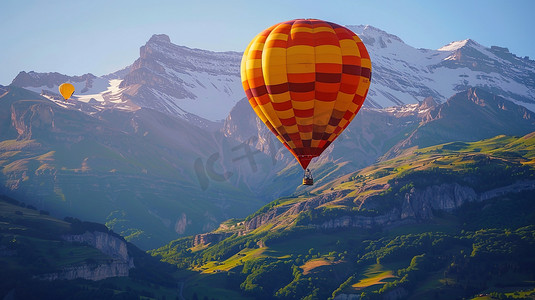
pixel 306 80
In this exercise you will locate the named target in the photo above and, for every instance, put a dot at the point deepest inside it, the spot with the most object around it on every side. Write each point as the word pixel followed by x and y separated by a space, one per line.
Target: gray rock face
pixel 108 244
pixel 419 204
pixel 90 272
pixel 265 218
pixel 363 221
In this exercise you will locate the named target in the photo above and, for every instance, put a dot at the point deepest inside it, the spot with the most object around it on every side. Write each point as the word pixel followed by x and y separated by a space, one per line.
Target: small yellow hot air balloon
pixel 66 90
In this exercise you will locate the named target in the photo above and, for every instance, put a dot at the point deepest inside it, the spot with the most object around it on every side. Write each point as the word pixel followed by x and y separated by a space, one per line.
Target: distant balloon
pixel 66 90
pixel 306 79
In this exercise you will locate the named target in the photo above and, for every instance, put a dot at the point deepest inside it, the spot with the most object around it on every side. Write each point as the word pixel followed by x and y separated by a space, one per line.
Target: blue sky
pixel 100 37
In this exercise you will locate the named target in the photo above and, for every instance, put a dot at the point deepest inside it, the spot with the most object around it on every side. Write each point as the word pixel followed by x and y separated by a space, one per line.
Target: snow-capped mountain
pixel 402 74
pixel 193 83
pixel 168 78
pixel 179 80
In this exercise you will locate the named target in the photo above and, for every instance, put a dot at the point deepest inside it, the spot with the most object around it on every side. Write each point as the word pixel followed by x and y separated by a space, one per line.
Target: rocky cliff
pixel 107 243
pixel 115 247
pixel 90 271
pixel 418 205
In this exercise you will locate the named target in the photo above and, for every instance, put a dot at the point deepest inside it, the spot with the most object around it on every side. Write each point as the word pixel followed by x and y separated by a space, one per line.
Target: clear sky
pixel 77 37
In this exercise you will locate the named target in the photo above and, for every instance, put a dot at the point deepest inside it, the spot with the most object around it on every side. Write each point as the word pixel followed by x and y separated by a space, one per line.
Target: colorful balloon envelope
pixel 306 79
pixel 66 90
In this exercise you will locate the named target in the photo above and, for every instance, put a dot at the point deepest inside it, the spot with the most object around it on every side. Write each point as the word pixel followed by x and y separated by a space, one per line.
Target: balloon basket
pixel 308 181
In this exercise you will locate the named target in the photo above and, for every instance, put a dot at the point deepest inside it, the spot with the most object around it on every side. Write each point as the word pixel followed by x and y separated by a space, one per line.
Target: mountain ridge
pixel 459 118
pixel 180 80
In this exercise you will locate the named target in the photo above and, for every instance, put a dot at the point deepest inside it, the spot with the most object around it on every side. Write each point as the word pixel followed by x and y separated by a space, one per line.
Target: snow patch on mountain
pixel 103 94
pixel 111 91
pixel 214 94
pixel 98 85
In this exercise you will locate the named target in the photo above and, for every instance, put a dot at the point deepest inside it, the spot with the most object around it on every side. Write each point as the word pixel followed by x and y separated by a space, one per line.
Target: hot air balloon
pixel 66 90
pixel 306 79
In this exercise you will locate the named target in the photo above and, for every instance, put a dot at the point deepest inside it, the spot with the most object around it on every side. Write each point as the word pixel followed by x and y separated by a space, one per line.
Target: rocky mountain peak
pixel 471 43
pixel 179 80
pixel 470 115
pixel 157 46
pixel 485 99
pixel 376 32
pixel 456 45
pixel 374 37
pixel 159 38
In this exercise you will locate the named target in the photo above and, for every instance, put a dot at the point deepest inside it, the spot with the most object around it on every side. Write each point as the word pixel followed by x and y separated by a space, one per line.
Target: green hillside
pixel 331 241
pixel 31 246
